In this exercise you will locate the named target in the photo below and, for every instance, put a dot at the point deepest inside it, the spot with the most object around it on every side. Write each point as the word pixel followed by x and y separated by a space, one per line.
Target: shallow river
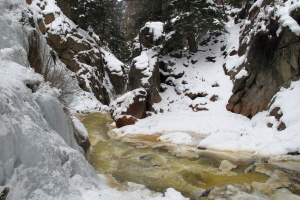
pixel 157 169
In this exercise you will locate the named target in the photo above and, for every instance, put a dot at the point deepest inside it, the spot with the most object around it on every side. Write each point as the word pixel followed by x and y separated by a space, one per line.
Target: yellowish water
pixel 157 170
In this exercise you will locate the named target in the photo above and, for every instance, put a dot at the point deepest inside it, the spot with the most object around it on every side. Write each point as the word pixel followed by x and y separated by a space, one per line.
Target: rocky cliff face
pixel 95 68
pixel 271 59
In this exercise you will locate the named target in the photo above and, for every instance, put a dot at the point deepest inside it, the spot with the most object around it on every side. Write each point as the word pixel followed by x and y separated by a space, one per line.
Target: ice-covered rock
pixel 227 166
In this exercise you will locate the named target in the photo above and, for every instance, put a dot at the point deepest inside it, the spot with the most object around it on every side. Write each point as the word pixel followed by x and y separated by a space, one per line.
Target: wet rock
pixel 82 141
pixel 205 193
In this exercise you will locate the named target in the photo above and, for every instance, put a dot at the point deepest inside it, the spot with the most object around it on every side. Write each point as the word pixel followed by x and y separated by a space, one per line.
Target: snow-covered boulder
pixel 130 107
pixel 152 34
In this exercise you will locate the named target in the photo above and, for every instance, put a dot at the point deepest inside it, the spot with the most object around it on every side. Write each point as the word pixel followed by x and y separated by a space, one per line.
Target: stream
pixel 158 169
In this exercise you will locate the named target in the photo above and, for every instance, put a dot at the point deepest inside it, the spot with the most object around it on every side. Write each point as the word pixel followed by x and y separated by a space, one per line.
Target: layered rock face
pixel 272 61
pixel 95 68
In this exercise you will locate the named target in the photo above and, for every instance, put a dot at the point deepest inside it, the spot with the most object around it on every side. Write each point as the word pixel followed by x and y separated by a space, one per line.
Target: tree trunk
pixel 192 43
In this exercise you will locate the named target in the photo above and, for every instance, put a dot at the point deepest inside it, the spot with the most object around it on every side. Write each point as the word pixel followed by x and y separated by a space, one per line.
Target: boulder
pixel 130 107
pixel 152 34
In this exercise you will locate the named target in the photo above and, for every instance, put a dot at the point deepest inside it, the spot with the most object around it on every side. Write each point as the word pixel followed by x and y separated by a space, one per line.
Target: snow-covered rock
pixel 130 107
pixel 97 70
pixel 152 34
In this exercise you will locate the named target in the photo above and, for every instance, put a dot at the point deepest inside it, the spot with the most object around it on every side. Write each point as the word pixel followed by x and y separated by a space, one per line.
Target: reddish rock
pixel 194 96
pixel 125 120
pixel 130 107
pixel 196 108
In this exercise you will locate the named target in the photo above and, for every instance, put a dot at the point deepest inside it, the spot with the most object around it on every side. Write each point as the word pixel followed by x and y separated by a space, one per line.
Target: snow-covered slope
pixel 195 98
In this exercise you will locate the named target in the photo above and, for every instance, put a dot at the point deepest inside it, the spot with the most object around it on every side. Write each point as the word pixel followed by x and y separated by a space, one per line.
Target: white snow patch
pixel 178 138
pixel 157 28
pixel 284 12
pixel 241 74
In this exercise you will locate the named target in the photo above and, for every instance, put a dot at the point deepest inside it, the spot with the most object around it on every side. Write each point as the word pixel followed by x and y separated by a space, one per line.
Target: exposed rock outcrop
pixel 65 7
pixel 272 62
pixel 147 77
pixel 144 71
pixel 96 70
pixel 130 107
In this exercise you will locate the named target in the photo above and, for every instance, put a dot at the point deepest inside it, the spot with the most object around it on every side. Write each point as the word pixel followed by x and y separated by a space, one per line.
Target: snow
pixel 288 100
pixel 113 64
pixel 146 63
pixel 215 128
pixel 178 138
pixel 283 11
pixel 241 74
pixel 157 28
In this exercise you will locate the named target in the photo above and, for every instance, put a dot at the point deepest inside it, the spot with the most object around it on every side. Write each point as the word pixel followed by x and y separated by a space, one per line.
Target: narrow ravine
pixel 156 169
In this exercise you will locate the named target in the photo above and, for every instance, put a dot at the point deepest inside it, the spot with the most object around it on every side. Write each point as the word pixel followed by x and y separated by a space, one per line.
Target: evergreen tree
pixel 104 16
pixel 151 11
pixel 185 19
pixel 194 18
